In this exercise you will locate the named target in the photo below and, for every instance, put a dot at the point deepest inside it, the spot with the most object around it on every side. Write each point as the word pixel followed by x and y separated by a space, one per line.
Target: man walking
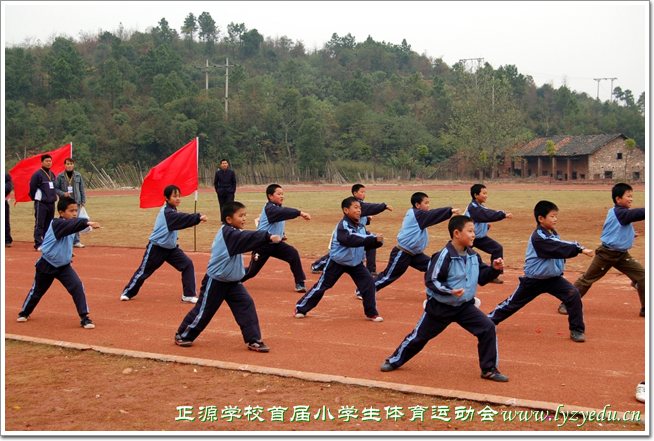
pixel 225 184
pixel 42 192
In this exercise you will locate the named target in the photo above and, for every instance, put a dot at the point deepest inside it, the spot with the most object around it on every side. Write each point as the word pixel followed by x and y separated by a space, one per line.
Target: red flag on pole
pixel 180 169
pixel 23 171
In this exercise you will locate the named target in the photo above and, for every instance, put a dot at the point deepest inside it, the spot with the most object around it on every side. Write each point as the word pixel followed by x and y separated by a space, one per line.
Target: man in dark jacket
pixel 42 192
pixel 9 186
pixel 225 184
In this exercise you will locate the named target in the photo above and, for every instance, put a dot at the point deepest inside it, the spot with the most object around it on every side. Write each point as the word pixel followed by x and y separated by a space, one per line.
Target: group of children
pixel 451 274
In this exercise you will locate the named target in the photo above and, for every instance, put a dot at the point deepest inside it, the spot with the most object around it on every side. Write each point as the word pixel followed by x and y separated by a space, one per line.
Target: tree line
pixel 128 97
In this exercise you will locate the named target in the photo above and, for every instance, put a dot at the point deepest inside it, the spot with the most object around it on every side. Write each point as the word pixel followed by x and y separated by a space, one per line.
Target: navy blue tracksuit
pixel 349 242
pixel 448 270
pixel 367 210
pixel 9 186
pixel 55 263
pixel 482 216
pixel 163 248
pixel 42 192
pixel 411 243
pixel 544 265
pixel 222 283
pixel 273 220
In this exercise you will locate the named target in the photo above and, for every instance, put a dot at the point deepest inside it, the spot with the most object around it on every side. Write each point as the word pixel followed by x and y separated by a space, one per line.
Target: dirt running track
pixel 535 350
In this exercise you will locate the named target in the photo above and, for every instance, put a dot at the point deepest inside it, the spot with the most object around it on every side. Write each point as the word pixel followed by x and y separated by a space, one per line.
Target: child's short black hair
pixel 347 202
pixel 357 187
pixel 457 223
pixel 169 190
pixel 230 208
pixel 270 190
pixel 543 208
pixel 417 198
pixel 45 156
pixel 64 202
pixel 619 190
pixel 476 189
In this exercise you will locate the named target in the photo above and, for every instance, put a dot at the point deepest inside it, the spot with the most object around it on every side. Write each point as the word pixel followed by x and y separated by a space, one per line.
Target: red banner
pixel 23 171
pixel 180 169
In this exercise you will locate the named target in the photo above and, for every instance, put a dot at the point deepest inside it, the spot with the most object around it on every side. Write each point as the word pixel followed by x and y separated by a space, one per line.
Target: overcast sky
pixel 554 42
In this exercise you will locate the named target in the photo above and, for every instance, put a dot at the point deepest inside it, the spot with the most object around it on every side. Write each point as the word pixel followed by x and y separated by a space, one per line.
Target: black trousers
pixel 436 318
pixel 371 260
pixel 281 251
pixel 45 275
pixel 223 198
pixel 529 289
pixel 43 215
pixel 154 257
pixel 212 294
pixel 333 271
pixel 489 246
pixel 398 262
pixel 8 238
pixel 320 263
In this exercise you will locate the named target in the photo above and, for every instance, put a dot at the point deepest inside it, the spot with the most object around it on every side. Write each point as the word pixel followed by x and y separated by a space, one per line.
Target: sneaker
pixel 562 309
pixel 640 392
pixel 315 270
pixel 189 299
pixel 298 314
pixel 494 375
pixel 497 280
pixel 358 295
pixel 577 337
pixel 258 346
pixel 87 323
pixel 7 244
pixel 477 302
pixel 39 249
pixel 387 367
pixel 299 287
pixel 79 245
pixel 124 298
pixel 424 304
pixel 180 342
pixel 642 312
pixel 375 318
pixel 21 319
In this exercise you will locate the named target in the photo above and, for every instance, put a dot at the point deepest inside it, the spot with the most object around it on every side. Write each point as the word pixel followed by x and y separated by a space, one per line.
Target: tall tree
pixel 190 26
pixel 65 68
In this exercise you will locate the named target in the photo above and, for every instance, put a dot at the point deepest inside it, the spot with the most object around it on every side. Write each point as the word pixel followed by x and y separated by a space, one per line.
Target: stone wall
pixel 614 161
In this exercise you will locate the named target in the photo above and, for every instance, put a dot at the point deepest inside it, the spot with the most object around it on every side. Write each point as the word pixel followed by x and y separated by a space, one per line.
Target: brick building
pixel 582 157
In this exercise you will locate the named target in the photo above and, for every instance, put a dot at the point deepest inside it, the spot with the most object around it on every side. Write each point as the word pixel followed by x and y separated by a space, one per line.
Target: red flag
pixel 23 171
pixel 180 169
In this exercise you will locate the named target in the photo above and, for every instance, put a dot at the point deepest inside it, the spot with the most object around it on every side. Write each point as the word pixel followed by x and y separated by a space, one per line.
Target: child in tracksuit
pixel 617 238
pixel 273 219
pixel 163 248
pixel 482 216
pixel 55 262
pixel 367 210
pixel 349 242
pixel 451 279
pixel 222 281
pixel 544 264
pixel 412 239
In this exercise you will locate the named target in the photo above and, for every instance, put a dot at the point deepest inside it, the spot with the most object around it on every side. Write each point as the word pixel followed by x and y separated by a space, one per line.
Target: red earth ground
pixel 534 346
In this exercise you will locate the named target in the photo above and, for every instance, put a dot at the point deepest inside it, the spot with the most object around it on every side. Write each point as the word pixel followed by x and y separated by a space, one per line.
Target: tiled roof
pixel 568 145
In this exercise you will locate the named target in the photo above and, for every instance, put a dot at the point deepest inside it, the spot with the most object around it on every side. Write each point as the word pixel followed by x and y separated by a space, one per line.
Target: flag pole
pixel 195 205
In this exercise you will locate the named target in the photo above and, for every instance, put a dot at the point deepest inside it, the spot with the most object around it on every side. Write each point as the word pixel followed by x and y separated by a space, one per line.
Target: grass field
pixel 582 213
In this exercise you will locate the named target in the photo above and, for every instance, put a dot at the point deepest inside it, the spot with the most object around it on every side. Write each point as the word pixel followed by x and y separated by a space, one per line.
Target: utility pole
pixel 614 78
pixel 598 83
pixel 479 62
pixel 226 66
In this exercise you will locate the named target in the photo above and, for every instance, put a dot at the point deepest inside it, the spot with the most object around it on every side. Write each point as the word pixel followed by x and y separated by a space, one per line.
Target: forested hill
pixel 128 97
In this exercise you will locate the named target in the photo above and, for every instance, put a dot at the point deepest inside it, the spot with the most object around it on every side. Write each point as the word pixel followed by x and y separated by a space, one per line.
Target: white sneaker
pixel 477 302
pixel 21 319
pixel 299 315
pixel 375 318
pixel 124 298
pixel 640 392
pixel 186 299
pixel 78 245
pixel 424 304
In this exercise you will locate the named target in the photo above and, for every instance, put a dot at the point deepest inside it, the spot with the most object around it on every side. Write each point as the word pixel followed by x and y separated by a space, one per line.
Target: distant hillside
pixel 126 98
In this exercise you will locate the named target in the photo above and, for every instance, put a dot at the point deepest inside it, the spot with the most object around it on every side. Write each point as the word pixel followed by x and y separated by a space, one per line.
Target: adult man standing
pixel 42 192
pixel 69 183
pixel 9 186
pixel 225 184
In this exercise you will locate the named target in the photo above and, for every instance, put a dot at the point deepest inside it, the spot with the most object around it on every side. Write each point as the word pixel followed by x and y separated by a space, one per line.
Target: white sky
pixel 554 42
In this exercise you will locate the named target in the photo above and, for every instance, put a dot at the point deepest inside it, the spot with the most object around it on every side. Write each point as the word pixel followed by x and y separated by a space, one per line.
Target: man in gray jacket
pixel 69 183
